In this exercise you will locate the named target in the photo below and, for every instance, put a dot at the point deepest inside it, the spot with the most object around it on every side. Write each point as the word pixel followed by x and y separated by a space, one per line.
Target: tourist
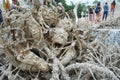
pixel 113 4
pixel 47 2
pixel 91 13
pixel 15 5
pixel 60 8
pixel 30 3
pixel 98 12
pixel 105 12
pixel 1 18
pixel 6 5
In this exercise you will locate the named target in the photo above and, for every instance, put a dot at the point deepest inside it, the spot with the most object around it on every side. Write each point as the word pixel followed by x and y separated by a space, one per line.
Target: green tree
pixel 81 8
pixel 95 2
pixel 67 7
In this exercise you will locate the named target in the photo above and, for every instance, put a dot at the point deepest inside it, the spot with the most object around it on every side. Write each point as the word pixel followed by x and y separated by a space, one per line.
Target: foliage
pixel 82 8
pixel 95 2
pixel 67 7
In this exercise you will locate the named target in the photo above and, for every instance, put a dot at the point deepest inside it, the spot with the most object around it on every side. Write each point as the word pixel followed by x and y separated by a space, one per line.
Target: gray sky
pixel 68 1
pixel 82 1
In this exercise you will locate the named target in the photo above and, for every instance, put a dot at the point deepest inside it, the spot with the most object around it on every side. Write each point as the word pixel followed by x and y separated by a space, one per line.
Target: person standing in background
pixel 1 17
pixel 98 12
pixel 15 5
pixel 29 3
pixel 105 12
pixel 47 2
pixel 60 8
pixel 91 14
pixel 6 5
pixel 113 4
